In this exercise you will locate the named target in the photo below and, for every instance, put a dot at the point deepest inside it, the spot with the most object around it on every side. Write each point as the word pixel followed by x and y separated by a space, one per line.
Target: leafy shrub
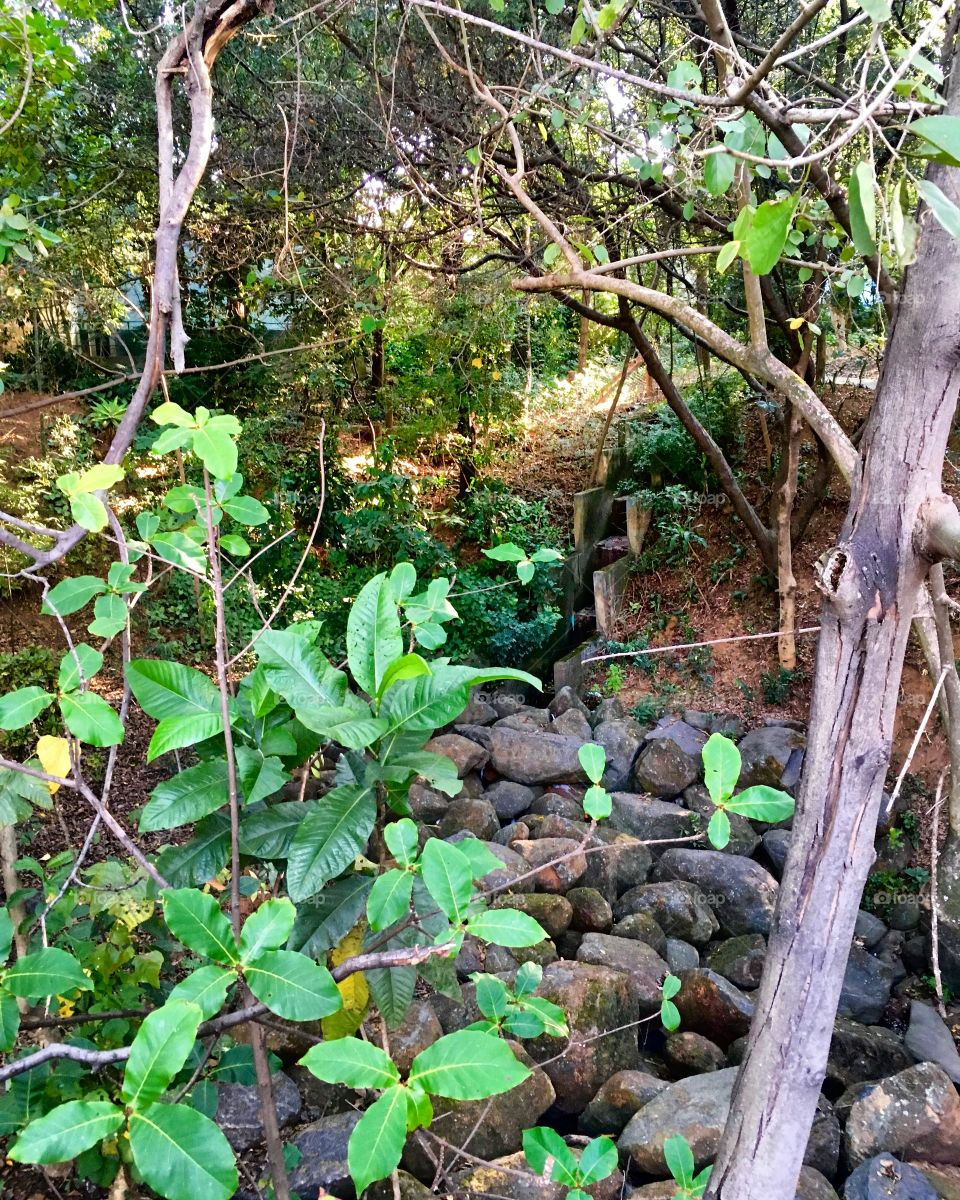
pixel 491 513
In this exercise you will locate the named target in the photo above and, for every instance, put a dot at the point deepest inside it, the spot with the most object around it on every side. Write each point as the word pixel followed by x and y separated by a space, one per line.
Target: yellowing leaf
pixel 353 989
pixel 54 755
pixel 796 322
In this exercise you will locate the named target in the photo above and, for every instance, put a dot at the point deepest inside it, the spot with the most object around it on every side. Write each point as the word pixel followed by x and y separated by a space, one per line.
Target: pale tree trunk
pixel 871 582
pixel 584 349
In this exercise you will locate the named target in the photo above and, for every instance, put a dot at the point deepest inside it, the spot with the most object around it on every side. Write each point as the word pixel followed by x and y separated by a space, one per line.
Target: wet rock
pixel 739 890
pixel 560 876
pixel 677 907
pixel 621 739
pixel 470 816
pixel 642 928
pixel 535 757
pixel 766 753
pixel 681 955
pixel 238 1110
pixel 509 800
pixel 596 1000
pixel 419 1029
pixel 744 839
pixel 664 769
pixel 476 733
pixel 617 1100
pixel 553 912
pixel 695 1108
pixel 863 1053
pixel 913 1113
pixel 929 1040
pixel 466 755
pixel 641 962
pixel 739 959
pixel 712 1006
pixel 866 987
pixel 591 912
pixel 323 1162
pixel 883 1178
pixel 944 1180
pixel 689 1053
pixel 651 820
pixel 573 724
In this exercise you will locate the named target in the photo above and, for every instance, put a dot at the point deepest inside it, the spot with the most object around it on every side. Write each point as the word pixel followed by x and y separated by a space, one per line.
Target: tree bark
pixel 871 581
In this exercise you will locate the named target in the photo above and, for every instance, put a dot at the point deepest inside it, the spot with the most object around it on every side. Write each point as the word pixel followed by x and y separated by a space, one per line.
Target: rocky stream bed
pixel 619 918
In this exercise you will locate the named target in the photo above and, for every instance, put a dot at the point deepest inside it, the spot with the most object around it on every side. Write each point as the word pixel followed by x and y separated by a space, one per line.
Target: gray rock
pixel 688 737
pixel 419 1029
pixel 561 875
pixel 883 1178
pixel 477 712
pixel 742 894
pixel 470 816
pixel 509 800
pixel 812 1186
pixel 553 912
pixel 689 1053
pixel 915 1113
pixel 651 820
pixel 507 875
pixel 476 733
pixel 681 955
pixel 466 755
pixel 238 1110
pixel 866 987
pixel 929 1040
pixel 621 739
pixel 740 959
pixel 609 709
pixel 591 911
pixel 534 757
pixel 775 844
pixel 766 753
pixel 617 1100
pixel 677 907
pixel 642 928
pixel 596 1000
pixel 823 1146
pixel 625 863
pixel 868 929
pixel 427 804
pixel 573 724
pixel 553 804
pixel 510 1178
pixel 695 1108
pixel 641 962
pixel 527 720
pixel 863 1053
pixel 566 699
pixel 323 1165
pixel 663 769
pixel 712 1006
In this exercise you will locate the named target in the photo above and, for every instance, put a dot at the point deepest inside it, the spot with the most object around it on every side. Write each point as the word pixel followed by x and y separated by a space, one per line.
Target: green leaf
pixel 728 253
pixel 19 708
pixel 246 510
pixel 903 226
pixel 292 985
pixel 403 577
pixel 161 1047
pixel 6 934
pixel 169 689
pixel 329 917
pixel 50 972
pixel 110 616
pixel 718 172
pixel 721 763
pixel 670 1016
pixel 186 797
pixel 83 661
pixel 762 803
pixel 493 996
pixel 718 831
pixel 198 860
pixel 409 666
pixel 206 987
pixel 216 450
pixel 402 839
pixel 607 17
pixel 877 10
pixel 374 640
pixel 528 979
pixel 482 861
pixel 942 207
pixel 9 1021
pixel 550 256
pixel 180 550
pixel 506 552
pixel 943 132
pixel 767 234
pixel 66 1131
pixel 260 777
pixel 351 724
pixel 98 478
pixel 526 571
pixel 266 929
pixel 169 413
pixel 679 1159
pixel 506 927
pixel 863 208
pixel 467 1066
pixel 330 839
pixel 91 719
pixel 448 876
pixel 597 803
pixel 542 1146
pixel 351 1061
pixel 88 511
pixel 593 759
pixel 72 594
pixel 389 899
pixel 298 671
pixel 174 733
pixel 268 831
pixel 181 1154
pixel 233 543
pixel 197 920
pixel 670 987
pixel 376 1143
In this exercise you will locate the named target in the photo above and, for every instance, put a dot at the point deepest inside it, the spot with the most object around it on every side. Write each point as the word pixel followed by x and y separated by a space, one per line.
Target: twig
pixel 740 637
pixel 935 896
pixel 916 740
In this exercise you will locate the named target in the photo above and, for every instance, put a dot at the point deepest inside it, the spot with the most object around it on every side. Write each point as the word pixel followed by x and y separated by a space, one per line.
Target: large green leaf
pixel 217 450
pixel 942 207
pixel 448 875
pixel 163 1042
pixel 6 934
pixel 173 733
pixel 186 797
pixel 81 660
pixel 506 927
pixel 19 708
pixel 863 208
pixel 197 920
pixel 762 803
pixel 91 719
pixel 72 594
pixel 200 859
pixel 943 132
pixel 50 972
pixel 374 640
pixel 351 725
pixel 545 1147
pixel 292 985
pixel 169 689
pixel 721 766
pixel 206 987
pixel 268 831
pixel 266 929
pixel 330 839
pixel 376 1143
pixel 349 1060
pixel 767 234
pixel 9 1021
pixel 298 671
pixel 66 1131
pixel 467 1065
pixel 260 776
pixel 718 172
pixel 181 1154
pixel 429 701
pixel 392 987
pixel 330 915
pixel 389 899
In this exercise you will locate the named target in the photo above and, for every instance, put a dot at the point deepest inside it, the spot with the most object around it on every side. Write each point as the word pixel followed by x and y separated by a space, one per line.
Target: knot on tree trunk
pixel 936 535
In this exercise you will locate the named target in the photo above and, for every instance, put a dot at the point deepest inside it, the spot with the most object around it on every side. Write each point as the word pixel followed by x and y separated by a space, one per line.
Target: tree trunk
pixel 584 349
pixel 871 581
